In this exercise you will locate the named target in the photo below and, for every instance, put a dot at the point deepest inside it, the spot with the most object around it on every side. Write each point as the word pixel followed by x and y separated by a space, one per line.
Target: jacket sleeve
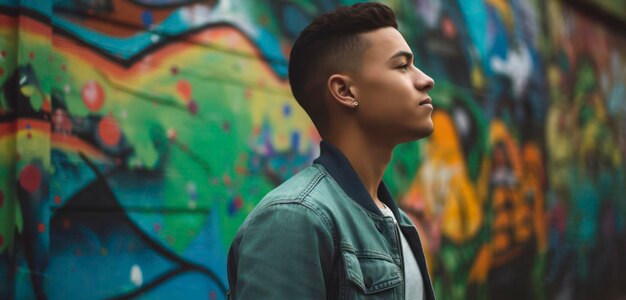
pixel 285 251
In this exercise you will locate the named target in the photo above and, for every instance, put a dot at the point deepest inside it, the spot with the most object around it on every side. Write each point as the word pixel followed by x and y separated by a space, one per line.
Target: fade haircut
pixel 331 44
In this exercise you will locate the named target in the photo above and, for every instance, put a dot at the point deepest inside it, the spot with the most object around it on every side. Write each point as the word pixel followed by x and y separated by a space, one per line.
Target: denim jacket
pixel 320 235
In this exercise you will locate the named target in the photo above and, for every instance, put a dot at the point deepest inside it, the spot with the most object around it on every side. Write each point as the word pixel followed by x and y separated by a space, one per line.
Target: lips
pixel 426 101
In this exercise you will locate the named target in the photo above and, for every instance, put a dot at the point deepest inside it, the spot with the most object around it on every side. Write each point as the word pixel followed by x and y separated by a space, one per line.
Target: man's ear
pixel 340 90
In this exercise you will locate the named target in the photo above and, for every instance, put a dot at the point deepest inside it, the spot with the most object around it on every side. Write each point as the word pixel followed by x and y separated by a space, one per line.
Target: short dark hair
pixel 331 44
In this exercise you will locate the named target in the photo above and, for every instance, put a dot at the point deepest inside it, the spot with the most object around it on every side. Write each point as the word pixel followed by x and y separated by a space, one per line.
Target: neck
pixel 368 158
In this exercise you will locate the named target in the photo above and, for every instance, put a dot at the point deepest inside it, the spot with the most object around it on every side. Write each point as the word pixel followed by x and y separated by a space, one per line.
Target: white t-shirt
pixel 414 285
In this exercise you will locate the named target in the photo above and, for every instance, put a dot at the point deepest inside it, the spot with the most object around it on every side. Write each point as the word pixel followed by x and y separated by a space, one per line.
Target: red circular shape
pixel 41 227
pixel 31 55
pixel 448 27
pixel 238 202
pixel 109 131
pixel 57 199
pixel 30 178
pixel 93 95
pixel 1 71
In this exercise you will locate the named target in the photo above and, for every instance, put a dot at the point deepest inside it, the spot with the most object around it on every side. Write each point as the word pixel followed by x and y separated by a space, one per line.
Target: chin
pixel 419 133
pixel 425 130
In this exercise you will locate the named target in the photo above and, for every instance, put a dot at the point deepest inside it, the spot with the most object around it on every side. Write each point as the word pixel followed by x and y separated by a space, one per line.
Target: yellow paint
pixel 503 8
pixel 443 186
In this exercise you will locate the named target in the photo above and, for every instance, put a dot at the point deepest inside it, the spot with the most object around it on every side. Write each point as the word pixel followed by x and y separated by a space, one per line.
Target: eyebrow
pixel 407 55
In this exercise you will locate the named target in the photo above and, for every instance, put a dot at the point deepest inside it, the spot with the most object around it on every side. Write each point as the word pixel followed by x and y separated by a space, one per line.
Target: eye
pixel 404 67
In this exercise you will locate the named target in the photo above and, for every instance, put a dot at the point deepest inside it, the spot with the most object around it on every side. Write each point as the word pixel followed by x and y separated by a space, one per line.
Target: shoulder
pixel 291 203
pixel 297 187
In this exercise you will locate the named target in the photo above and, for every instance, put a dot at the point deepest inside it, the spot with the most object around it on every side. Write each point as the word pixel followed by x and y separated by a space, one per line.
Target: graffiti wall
pixel 137 135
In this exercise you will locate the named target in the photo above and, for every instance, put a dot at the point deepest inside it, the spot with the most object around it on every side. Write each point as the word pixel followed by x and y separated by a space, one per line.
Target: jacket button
pixel 368 282
pixel 380 227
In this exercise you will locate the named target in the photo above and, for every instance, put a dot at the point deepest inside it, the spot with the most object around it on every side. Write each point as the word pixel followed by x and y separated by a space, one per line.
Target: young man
pixel 333 230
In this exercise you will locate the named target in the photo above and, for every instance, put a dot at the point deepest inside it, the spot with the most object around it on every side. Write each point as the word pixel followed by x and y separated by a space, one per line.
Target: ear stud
pixel 355 104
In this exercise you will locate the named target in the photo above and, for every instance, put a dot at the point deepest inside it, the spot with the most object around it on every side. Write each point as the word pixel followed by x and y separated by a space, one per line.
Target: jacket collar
pixel 338 166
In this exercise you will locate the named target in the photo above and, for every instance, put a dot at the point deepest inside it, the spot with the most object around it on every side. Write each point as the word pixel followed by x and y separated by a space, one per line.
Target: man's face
pixel 394 105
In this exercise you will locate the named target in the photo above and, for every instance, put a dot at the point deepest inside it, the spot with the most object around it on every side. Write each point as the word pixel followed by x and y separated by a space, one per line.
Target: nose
pixel 423 82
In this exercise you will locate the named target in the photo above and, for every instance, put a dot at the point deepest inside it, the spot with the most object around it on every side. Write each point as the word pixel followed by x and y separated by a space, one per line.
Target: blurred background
pixel 136 136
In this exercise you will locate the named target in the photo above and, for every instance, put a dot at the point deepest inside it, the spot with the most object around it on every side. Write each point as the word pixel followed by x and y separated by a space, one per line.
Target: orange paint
pixel 184 89
pixel 174 51
pixel 72 144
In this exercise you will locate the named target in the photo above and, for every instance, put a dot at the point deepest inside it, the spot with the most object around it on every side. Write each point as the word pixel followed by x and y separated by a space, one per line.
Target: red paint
pixel 46 106
pixel 448 28
pixel 93 95
pixel 57 199
pixel 109 131
pixel 41 227
pixel 238 202
pixel 184 88
pixel 30 178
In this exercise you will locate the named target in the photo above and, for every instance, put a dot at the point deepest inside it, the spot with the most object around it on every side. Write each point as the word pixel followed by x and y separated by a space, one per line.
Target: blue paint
pixel 146 18
pixel 127 47
pixel 295 140
pixel 477 22
pixel 270 47
pixel 294 20
pixel 287 110
pixel 42 7
pixel 232 208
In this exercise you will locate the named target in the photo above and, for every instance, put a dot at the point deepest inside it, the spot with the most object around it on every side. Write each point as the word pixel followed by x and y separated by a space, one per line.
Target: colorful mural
pixel 137 135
